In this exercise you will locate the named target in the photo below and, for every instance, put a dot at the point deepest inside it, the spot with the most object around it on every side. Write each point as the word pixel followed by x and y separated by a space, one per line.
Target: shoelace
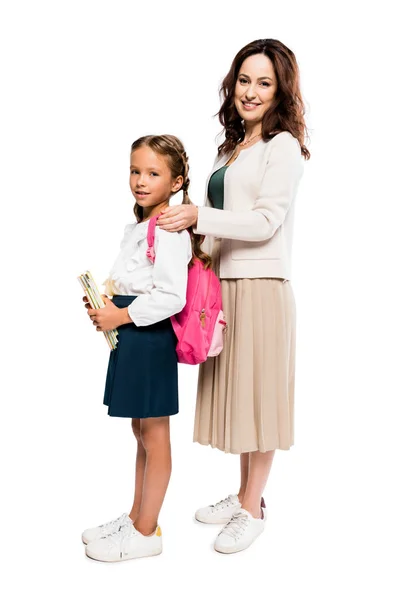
pixel 236 526
pixel 112 524
pixel 223 503
pixel 117 537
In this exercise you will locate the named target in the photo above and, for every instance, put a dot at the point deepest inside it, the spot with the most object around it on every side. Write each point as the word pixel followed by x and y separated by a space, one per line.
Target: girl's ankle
pixel 145 528
pixel 133 516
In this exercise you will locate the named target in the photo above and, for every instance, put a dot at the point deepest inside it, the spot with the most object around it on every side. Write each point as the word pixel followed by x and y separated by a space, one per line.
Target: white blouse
pixel 160 287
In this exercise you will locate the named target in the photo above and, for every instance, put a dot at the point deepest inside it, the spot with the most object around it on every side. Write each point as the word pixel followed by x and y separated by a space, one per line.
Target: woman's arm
pixel 278 188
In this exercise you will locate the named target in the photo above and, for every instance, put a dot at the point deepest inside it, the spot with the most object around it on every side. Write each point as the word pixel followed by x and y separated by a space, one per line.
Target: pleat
pixel 245 399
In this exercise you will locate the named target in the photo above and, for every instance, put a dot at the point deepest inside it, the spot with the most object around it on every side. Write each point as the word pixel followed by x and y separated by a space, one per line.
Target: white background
pixel 81 81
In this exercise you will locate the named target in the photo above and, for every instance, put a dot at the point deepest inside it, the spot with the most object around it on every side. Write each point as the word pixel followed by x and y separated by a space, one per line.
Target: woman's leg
pixel 155 437
pixel 244 474
pixel 140 469
pixel 259 468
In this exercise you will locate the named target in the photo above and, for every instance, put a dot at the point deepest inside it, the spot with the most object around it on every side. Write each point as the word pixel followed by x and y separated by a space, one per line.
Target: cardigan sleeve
pixel 278 188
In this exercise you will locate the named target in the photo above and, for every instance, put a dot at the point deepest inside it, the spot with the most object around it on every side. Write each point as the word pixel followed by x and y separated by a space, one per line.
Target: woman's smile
pixel 250 105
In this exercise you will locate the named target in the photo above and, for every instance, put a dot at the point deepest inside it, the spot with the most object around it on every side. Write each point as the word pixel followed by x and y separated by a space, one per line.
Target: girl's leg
pixel 140 469
pixel 244 474
pixel 259 468
pixel 155 437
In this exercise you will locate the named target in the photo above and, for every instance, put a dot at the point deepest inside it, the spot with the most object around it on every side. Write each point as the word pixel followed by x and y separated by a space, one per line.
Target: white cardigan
pixel 256 224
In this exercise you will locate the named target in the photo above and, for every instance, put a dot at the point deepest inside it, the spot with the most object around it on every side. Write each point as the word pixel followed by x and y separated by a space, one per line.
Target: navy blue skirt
pixel 142 374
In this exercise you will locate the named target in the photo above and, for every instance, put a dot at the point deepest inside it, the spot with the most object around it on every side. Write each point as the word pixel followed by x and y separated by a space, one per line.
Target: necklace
pixel 237 151
pixel 250 139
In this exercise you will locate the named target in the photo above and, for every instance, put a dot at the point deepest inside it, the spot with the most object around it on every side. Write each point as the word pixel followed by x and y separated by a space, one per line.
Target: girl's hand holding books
pixel 109 317
pixel 94 300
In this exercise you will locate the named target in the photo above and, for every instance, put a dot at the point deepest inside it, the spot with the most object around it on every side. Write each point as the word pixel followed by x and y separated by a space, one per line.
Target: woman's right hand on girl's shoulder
pixel 177 218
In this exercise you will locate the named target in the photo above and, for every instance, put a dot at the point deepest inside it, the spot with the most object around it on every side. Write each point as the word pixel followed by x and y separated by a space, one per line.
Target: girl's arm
pixel 278 188
pixel 170 274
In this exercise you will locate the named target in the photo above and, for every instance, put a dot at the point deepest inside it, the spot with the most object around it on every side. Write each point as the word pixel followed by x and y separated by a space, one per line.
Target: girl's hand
pixel 108 317
pixel 176 218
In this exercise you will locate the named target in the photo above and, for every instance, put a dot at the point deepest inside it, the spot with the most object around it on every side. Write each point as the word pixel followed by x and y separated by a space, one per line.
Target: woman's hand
pixel 176 218
pixel 108 317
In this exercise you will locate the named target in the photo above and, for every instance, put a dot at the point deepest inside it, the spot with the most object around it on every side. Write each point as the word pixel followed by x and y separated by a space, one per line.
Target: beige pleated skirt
pixel 245 397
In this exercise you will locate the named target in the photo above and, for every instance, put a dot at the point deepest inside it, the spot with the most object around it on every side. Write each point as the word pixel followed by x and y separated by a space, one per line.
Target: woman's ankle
pixel 241 494
pixel 255 511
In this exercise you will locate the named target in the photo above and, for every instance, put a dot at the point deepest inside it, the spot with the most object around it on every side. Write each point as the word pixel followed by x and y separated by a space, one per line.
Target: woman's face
pixel 255 88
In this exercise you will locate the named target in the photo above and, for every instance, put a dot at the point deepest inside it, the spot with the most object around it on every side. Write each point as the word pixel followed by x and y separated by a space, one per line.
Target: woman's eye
pixel 243 81
pixel 133 171
pixel 153 173
pixel 265 84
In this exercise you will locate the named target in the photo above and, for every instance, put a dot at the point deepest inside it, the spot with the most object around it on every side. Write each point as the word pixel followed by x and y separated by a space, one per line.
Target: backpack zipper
pixel 203 310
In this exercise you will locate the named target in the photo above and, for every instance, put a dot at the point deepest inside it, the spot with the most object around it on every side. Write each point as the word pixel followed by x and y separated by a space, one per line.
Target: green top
pixel 216 187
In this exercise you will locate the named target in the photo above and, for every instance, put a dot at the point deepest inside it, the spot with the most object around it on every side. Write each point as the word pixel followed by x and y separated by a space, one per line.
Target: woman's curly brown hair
pixel 286 112
pixel 172 148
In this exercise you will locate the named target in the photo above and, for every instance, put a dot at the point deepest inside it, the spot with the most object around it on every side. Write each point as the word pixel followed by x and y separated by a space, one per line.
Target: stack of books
pixel 96 301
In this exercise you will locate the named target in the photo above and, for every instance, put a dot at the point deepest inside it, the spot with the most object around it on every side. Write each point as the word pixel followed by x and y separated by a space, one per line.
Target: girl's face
pixel 255 88
pixel 151 180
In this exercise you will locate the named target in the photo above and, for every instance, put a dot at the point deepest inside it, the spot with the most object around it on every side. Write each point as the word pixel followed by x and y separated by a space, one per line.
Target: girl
pixel 245 400
pixel 142 376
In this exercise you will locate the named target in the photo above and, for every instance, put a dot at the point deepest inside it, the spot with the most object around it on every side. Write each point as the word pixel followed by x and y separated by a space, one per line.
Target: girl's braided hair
pixel 172 148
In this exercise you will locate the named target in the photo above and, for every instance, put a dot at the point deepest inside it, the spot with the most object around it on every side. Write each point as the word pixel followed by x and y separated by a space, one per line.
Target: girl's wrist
pixel 125 317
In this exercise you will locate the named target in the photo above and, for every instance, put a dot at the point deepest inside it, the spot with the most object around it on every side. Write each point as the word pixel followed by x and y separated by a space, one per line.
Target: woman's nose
pixel 250 92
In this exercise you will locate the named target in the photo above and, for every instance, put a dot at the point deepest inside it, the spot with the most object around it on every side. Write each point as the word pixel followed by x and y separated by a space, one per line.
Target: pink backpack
pixel 200 325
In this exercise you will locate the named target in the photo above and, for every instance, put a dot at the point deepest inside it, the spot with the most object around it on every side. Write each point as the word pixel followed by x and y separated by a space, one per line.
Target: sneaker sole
pixel 114 560
pixel 240 549
pixel 216 522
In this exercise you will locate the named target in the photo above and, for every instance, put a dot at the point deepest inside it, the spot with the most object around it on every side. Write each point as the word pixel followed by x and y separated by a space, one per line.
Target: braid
pixel 196 239
pixel 186 180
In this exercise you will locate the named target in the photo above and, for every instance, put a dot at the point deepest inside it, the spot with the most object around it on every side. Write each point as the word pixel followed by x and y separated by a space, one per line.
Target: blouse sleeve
pixel 170 274
pixel 278 188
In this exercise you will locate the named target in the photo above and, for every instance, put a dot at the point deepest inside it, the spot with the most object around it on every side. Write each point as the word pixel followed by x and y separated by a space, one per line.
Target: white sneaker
pixel 95 533
pixel 240 532
pixel 220 512
pixel 124 544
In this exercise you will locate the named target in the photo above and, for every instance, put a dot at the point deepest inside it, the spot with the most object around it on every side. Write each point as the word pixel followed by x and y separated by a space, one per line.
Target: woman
pixel 245 399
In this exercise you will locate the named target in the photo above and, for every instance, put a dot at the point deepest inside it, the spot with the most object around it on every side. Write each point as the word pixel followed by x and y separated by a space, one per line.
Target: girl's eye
pixel 153 173
pixel 133 171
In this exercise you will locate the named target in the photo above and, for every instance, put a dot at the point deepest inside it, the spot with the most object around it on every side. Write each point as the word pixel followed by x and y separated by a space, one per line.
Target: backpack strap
pixel 151 233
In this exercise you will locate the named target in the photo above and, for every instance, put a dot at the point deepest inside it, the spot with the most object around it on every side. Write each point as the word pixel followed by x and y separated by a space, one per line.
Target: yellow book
pixel 96 301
